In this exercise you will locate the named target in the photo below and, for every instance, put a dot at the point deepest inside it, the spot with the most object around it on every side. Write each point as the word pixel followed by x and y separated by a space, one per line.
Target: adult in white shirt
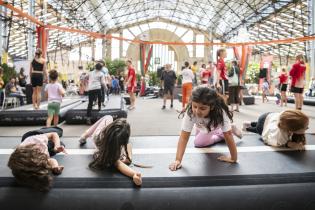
pixel 96 80
pixel 187 84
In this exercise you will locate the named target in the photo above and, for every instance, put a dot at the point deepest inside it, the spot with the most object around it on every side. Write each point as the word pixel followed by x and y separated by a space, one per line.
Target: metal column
pixel 30 42
pixel 311 6
pixel 1 32
pixel 4 33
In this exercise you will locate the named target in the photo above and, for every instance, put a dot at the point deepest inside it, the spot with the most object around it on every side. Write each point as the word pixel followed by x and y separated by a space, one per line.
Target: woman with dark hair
pixel 113 149
pixel 22 78
pixel 234 86
pixel 38 72
pixel 207 111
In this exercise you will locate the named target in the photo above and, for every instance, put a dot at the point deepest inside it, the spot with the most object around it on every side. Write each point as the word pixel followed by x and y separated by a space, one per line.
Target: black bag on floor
pixel 51 144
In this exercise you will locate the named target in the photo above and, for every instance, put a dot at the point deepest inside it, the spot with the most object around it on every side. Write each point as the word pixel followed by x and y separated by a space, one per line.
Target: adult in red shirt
pixel 222 71
pixel 131 84
pixel 297 74
pixel 283 85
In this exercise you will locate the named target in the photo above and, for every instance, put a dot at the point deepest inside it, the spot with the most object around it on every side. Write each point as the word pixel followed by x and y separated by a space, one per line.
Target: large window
pixel 188 37
pixel 115 47
pixel 200 49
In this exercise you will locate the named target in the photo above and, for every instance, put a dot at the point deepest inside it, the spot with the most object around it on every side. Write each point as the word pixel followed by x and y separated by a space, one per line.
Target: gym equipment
pixel 114 107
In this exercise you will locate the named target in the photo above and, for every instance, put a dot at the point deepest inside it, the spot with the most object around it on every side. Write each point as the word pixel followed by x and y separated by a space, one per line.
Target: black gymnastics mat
pixel 260 180
pixel 114 107
pixel 256 165
pixel 26 115
pixel 306 101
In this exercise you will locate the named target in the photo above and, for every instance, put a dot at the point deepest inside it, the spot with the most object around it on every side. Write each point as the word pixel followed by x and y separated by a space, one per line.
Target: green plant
pixel 138 76
pixel 179 80
pixel 153 78
pixel 8 72
pixel 90 66
pixel 252 73
pixel 116 66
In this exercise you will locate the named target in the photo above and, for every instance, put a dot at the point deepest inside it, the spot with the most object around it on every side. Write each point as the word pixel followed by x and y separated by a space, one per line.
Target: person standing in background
pixel 222 72
pixel 22 78
pixel 194 69
pixel 187 85
pixel 168 79
pixel 96 80
pixel 131 84
pixel 283 85
pixel 297 73
pixel 38 72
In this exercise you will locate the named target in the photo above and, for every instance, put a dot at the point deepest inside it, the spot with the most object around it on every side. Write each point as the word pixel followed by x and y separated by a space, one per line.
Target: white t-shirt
pixel 188 76
pixel 272 134
pixel 201 123
pixel 40 140
pixel 96 79
pixel 53 90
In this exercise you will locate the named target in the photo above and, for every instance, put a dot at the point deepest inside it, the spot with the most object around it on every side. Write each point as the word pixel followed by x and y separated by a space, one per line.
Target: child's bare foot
pixel 57 170
pixel 237 132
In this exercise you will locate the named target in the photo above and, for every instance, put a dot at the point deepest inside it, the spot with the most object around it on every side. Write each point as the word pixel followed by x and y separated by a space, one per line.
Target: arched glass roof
pixel 264 19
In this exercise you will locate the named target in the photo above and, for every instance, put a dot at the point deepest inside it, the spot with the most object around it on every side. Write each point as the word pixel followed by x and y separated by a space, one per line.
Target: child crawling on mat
pixel 208 111
pixel 32 163
pixel 286 128
pixel 111 139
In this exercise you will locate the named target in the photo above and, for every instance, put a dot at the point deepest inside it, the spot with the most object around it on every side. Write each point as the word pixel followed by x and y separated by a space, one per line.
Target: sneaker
pixel 171 106
pixel 163 107
pixel 88 121
pixel 82 141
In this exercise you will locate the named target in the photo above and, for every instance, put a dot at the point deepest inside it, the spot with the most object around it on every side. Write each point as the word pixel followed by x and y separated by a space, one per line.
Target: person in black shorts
pixel 37 72
pixel 168 79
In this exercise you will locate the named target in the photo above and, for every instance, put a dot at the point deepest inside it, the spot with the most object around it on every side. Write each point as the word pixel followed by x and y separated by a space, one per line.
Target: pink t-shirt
pixel 40 141
pixel 53 90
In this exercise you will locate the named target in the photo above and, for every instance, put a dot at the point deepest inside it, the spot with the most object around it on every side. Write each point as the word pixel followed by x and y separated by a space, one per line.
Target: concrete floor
pixel 149 120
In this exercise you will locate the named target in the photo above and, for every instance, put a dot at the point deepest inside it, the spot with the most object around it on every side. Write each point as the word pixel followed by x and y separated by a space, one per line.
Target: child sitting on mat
pixel 286 128
pixel 31 163
pixel 209 112
pixel 111 140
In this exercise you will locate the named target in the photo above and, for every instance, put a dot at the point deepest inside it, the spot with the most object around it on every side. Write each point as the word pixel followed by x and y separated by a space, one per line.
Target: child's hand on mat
pixel 57 170
pixel 137 179
pixel 61 149
pixel 175 165
pixel 300 147
pixel 226 159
